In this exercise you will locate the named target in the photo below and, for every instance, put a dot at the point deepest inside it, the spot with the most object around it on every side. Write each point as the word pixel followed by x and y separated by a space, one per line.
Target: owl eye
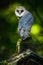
pixel 17 10
pixel 22 10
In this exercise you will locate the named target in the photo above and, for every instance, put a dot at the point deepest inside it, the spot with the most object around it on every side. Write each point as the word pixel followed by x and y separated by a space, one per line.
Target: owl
pixel 25 22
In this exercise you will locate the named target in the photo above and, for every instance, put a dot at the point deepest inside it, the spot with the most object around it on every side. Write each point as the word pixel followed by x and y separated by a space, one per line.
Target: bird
pixel 25 22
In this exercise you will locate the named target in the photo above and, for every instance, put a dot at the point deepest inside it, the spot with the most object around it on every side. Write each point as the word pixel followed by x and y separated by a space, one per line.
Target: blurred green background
pixel 8 26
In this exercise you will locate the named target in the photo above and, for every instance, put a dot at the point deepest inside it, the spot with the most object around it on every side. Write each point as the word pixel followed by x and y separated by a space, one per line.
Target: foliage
pixel 8 26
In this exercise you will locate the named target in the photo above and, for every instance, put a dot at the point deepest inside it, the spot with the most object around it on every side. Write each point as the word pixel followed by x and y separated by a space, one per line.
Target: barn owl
pixel 25 22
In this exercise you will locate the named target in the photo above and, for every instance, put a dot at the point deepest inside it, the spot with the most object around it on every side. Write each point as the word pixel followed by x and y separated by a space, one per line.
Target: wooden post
pixel 18 46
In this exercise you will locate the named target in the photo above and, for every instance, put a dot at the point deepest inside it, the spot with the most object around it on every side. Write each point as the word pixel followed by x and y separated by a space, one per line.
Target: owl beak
pixel 19 12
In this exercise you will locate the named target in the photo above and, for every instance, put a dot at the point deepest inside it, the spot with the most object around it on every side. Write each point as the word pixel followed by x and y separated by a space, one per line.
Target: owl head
pixel 20 11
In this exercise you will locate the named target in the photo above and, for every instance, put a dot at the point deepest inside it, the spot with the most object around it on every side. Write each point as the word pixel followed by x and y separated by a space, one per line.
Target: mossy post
pixel 18 46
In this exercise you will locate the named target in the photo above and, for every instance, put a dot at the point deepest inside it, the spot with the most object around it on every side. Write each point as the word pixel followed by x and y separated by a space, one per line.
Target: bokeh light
pixel 35 30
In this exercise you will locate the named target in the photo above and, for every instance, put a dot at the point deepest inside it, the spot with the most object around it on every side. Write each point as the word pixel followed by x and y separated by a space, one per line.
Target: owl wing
pixel 26 22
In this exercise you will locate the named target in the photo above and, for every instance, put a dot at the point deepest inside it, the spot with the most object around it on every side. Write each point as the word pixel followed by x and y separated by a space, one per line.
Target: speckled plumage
pixel 24 25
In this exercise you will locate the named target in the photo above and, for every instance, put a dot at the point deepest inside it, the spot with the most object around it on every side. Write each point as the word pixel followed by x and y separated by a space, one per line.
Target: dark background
pixel 8 26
